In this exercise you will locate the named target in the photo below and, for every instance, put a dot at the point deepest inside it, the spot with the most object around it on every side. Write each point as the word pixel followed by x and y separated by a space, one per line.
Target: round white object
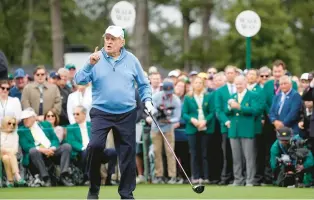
pixel 248 23
pixel 123 14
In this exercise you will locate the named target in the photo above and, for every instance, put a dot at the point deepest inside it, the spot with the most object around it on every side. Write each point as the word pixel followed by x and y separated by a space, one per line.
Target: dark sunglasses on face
pixel 50 116
pixel 10 123
pixel 264 76
pixel 5 88
pixel 40 74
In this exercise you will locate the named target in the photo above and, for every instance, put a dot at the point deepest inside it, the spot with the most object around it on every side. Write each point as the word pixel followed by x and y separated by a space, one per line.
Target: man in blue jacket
pixel 114 71
pixel 286 106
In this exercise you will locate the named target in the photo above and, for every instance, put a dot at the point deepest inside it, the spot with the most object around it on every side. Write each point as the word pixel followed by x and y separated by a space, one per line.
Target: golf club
pixel 196 188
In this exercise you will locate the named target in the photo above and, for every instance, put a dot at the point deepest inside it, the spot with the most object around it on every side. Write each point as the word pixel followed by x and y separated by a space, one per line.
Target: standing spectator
pixel 41 95
pixel 72 71
pixel 304 82
pixel 286 106
pixel 308 95
pixel 243 109
pixel 64 92
pixel 9 149
pixel 223 94
pixel 82 96
pixel 9 106
pixel 179 90
pixel 53 78
pixel 210 81
pixel 19 78
pixel 198 112
pixel 173 75
pixel 270 89
pixel 168 114
pixel 264 75
pixel 155 80
pixel 53 118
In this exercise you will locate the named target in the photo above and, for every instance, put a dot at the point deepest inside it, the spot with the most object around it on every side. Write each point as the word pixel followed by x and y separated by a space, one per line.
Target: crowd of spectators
pixel 231 119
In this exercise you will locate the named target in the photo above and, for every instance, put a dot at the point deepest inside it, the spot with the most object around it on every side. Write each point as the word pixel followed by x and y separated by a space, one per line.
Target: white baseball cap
pixel 173 73
pixel 305 76
pixel 115 31
pixel 28 112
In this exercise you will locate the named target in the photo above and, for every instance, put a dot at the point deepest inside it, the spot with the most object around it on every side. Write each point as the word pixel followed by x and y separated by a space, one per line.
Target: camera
pixel 164 114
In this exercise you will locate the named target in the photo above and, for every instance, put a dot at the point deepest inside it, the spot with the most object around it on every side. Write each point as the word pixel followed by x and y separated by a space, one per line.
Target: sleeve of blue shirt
pixel 84 75
pixel 144 88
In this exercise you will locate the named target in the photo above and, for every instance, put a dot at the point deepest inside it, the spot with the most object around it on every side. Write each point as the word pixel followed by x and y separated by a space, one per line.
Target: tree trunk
pixel 57 34
pixel 27 46
pixel 186 38
pixel 206 33
pixel 142 33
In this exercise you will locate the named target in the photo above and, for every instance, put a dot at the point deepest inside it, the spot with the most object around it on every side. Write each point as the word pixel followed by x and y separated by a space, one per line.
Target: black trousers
pixel 199 155
pixel 260 158
pixel 269 138
pixel 62 156
pixel 109 156
pixel 123 127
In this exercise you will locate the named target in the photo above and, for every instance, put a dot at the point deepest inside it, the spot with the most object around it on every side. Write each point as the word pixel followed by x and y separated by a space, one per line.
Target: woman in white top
pixel 51 117
pixel 9 106
pixel 81 97
pixel 9 149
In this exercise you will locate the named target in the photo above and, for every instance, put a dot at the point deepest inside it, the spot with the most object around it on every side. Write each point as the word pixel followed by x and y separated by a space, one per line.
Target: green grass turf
pixel 161 192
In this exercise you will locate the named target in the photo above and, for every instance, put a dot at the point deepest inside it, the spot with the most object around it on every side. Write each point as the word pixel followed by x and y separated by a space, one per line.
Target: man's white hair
pixel 285 78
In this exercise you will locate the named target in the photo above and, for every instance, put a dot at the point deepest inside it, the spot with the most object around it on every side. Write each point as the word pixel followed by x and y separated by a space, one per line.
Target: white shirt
pixel 199 100
pixel 241 95
pixel 251 86
pixel 232 88
pixel 76 99
pixel 282 100
pixel 155 90
pixel 11 107
pixel 84 134
pixel 39 136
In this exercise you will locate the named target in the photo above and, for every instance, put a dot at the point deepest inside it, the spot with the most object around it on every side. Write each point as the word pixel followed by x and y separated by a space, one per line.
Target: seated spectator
pixel 82 96
pixel 19 78
pixel 9 106
pixel 40 144
pixel 9 149
pixel 78 136
pixel 53 118
pixel 280 158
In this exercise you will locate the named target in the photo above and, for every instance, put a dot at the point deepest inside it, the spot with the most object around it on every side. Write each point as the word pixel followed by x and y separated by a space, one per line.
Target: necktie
pixel 41 101
pixel 281 104
pixel 240 97
pixel 277 87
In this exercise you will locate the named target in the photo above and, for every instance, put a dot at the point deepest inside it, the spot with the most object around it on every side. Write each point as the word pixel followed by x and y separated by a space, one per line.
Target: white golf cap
pixel 173 73
pixel 115 31
pixel 28 112
pixel 305 76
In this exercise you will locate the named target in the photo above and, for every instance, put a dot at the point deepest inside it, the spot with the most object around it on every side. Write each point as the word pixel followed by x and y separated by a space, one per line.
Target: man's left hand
pixel 149 108
pixel 235 105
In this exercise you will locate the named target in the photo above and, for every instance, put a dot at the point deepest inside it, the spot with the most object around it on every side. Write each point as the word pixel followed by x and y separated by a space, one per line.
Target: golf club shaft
pixel 170 148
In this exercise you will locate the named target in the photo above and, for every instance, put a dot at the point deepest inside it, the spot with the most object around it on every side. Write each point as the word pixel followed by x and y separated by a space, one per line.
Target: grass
pixel 161 192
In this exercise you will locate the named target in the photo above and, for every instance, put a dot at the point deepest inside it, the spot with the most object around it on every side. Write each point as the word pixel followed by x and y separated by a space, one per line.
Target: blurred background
pixel 169 34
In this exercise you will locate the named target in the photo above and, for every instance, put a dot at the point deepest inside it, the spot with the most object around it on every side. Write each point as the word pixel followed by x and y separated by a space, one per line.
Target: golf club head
pixel 198 188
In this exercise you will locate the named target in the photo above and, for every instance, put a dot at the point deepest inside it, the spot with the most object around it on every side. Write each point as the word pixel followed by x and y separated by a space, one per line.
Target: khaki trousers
pixel 158 142
pixel 10 165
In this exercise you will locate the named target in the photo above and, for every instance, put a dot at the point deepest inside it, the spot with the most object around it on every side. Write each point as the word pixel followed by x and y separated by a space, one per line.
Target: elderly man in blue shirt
pixel 114 71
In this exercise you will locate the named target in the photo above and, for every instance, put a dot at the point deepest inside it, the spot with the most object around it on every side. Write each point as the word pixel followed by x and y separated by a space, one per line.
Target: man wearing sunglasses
pixel 41 95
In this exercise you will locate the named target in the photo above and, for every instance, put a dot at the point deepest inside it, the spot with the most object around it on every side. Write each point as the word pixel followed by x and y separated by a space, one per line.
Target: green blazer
pixel 190 109
pixel 261 99
pixel 269 93
pixel 243 120
pixel 27 141
pixel 74 138
pixel 222 96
